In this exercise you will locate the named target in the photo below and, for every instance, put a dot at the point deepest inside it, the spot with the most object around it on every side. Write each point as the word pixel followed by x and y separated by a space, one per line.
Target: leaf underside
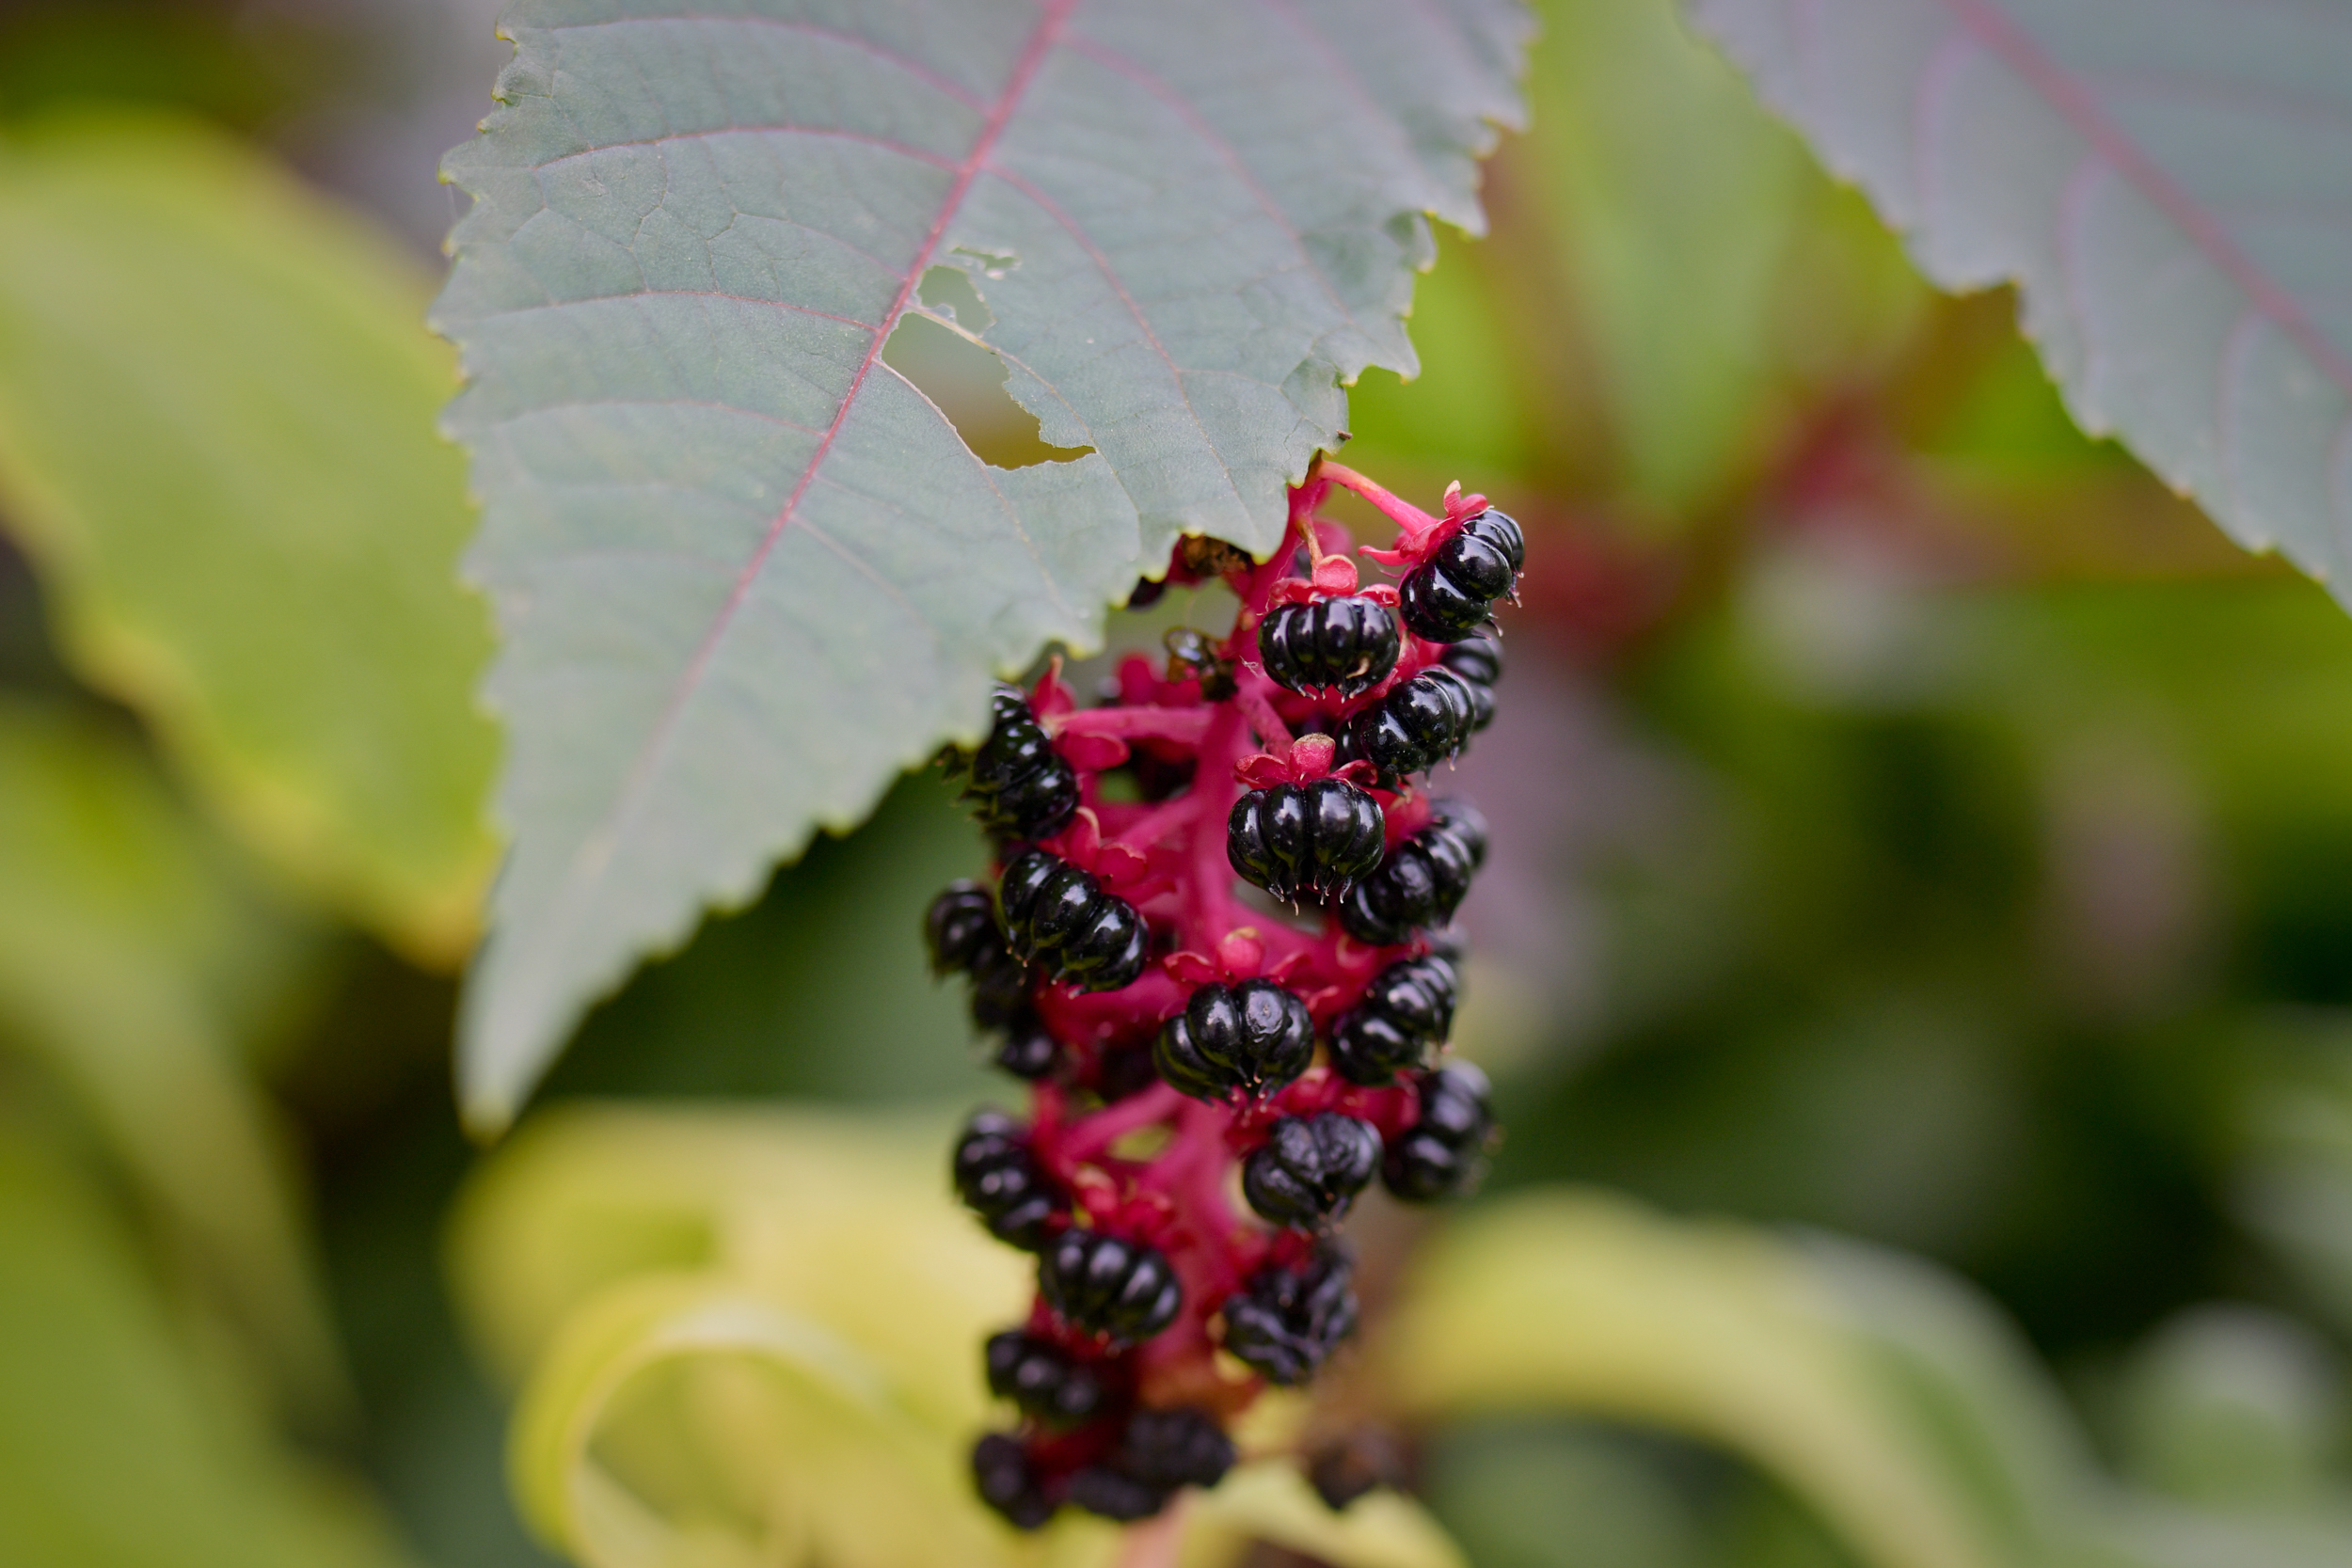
pixel 2169 184
pixel 746 571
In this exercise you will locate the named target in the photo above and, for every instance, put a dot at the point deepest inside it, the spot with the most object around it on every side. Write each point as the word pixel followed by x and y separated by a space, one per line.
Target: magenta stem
pixel 1411 520
pixel 1183 726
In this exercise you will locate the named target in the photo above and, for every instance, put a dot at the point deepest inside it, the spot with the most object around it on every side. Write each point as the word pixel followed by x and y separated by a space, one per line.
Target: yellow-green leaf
pixel 137 967
pixel 217 407
pixel 118 1448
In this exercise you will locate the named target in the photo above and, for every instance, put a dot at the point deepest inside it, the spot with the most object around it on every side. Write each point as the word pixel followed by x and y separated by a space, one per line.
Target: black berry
pixel 1007 1482
pixel 1244 1038
pixel 1022 788
pixel 1059 917
pixel 1159 1452
pixel 1028 1048
pixel 1123 1289
pixel 1407 1010
pixel 959 928
pixel 1044 1380
pixel 1478 659
pixel 1309 841
pixel 1000 987
pixel 1441 1154
pixel 1420 723
pixel 1310 1167
pixel 1451 595
pixel 1283 1323
pixel 1423 880
pixel 1000 1181
pixel 1350 645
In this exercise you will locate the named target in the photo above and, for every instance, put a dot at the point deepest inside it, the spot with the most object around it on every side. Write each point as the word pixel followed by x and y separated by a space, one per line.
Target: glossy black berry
pixel 1061 917
pixel 1244 1038
pixel 1478 659
pixel 1423 880
pixel 1309 1168
pixel 1000 1181
pixel 1182 1447
pixel 1021 787
pixel 1115 1494
pixel 1441 1154
pixel 1346 644
pixel 959 928
pixel 1420 723
pixel 1043 1379
pixel 1449 595
pixel 1123 1289
pixel 1159 1452
pixel 1405 1012
pixel 1306 841
pixel 1000 987
pixel 1285 1323
pixel 1007 1482
pixel 1028 1050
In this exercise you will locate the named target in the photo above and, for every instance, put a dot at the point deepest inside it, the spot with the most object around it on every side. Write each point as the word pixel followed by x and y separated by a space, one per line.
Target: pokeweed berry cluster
pixel 1173 1026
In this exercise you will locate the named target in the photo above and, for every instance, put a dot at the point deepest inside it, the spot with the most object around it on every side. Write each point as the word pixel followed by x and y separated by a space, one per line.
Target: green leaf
pixel 216 406
pixel 752 1337
pixel 744 569
pixel 138 969
pixel 2165 185
pixel 119 1447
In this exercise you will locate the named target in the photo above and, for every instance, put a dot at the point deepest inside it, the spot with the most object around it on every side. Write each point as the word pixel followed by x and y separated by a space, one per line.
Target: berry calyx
pixel 1192 1145
pixel 1347 646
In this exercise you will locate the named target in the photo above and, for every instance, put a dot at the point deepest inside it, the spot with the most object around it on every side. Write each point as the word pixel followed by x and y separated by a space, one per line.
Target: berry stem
pixel 1411 521
pixel 1183 725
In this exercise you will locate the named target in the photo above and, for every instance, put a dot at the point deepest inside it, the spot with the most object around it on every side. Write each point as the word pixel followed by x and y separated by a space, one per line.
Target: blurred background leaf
pixel 141 971
pixel 216 443
pixel 122 1443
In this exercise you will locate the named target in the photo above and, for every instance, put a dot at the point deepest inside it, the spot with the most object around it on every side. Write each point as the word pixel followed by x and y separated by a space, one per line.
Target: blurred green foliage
pixel 1983 891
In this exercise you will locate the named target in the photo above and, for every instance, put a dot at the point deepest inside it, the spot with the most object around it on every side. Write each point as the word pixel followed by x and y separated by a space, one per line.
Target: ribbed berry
pixel 1478 659
pixel 1306 841
pixel 1059 917
pixel 1440 1155
pixel 1423 880
pixel 960 927
pixel 1000 986
pixel 1236 1040
pixel 1028 1048
pixel 1043 1379
pixel 1406 1013
pixel 999 1180
pixel 1021 787
pixel 1449 595
pixel 1347 646
pixel 1006 1481
pixel 1124 1291
pixel 1159 1452
pixel 1283 1322
pixel 1309 1168
pixel 1419 724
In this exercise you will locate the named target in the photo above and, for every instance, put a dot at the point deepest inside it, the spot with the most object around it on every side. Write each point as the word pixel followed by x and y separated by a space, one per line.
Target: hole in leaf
pixel 967 383
pixel 948 292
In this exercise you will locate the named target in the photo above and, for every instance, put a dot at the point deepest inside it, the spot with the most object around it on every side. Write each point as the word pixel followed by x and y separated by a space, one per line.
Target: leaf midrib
pixel 596 848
